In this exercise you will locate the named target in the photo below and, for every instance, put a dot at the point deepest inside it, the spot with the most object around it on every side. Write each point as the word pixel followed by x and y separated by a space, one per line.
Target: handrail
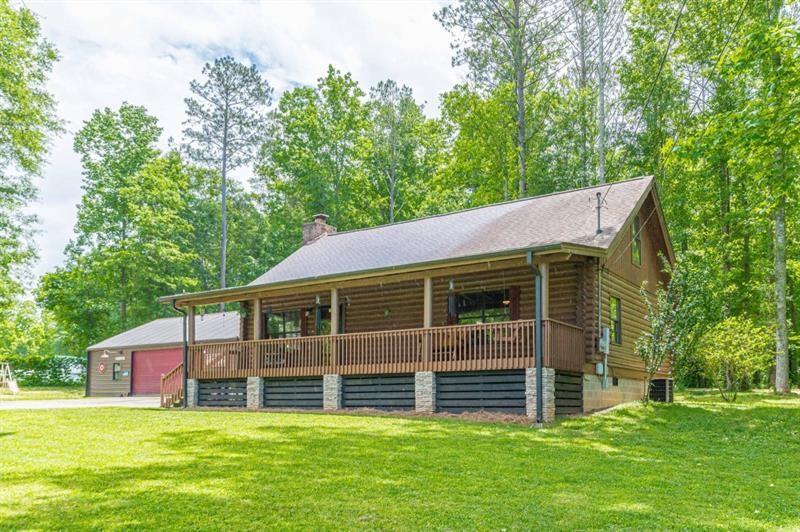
pixel 564 323
pixel 475 347
pixel 172 386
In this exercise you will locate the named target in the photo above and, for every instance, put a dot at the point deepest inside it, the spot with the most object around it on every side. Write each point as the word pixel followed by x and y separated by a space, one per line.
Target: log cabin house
pixel 448 312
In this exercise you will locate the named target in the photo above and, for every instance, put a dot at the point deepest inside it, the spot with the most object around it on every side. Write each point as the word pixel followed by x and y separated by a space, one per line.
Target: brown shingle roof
pixel 562 218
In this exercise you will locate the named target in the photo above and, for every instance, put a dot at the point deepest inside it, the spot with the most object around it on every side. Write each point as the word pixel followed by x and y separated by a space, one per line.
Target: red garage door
pixel 148 367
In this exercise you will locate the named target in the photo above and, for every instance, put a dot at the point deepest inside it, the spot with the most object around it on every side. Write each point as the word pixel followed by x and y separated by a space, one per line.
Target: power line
pixel 660 66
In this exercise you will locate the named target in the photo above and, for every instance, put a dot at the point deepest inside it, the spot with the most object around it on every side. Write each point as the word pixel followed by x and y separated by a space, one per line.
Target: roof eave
pixel 568 247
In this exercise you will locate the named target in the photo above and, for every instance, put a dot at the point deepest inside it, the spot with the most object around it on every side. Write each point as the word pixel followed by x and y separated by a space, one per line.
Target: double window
pixel 483 307
pixel 616 320
pixel 283 324
pixel 636 242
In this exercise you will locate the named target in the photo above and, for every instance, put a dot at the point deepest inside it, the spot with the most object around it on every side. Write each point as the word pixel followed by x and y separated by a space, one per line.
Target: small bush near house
pixel 733 353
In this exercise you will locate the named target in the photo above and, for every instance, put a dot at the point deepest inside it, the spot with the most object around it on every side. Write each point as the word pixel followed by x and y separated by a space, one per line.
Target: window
pixel 283 324
pixel 483 307
pixel 636 242
pixel 116 371
pixel 323 320
pixel 616 320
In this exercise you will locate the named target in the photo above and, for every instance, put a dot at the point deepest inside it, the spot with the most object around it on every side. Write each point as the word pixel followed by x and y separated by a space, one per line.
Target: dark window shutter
pixel 304 322
pixel 452 312
pixel 513 310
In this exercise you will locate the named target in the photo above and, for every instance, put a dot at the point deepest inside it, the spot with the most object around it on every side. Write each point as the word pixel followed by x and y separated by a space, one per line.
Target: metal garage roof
pixel 220 326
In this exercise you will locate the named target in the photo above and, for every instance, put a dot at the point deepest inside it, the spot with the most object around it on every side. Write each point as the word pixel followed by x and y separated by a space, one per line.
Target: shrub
pixel 678 314
pixel 733 352
pixel 37 370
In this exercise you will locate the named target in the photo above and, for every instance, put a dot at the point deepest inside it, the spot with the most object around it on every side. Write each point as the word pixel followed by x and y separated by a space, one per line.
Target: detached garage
pixel 132 362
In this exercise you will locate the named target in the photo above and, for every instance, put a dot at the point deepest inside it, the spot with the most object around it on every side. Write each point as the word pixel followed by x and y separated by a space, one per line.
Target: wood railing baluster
pixel 504 345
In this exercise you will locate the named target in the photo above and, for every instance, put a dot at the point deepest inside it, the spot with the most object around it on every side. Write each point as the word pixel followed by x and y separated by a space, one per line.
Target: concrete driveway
pixel 87 402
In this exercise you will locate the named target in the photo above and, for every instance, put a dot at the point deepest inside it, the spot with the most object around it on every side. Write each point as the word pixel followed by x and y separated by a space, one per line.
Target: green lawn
pixel 44 392
pixel 696 464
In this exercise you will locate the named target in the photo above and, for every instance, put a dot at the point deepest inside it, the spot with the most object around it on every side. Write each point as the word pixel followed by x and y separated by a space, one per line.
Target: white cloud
pixel 147 53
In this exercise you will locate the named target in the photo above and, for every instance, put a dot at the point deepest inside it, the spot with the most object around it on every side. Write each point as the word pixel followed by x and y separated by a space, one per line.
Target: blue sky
pixel 146 53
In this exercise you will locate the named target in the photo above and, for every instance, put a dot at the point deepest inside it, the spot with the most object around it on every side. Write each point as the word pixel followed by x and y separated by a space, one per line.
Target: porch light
pixel 451 285
pixel 316 300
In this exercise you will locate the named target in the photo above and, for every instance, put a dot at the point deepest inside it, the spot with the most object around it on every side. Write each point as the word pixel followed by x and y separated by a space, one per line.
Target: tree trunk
pixel 223 263
pixel 123 304
pixel 519 66
pixel 781 334
pixel 601 95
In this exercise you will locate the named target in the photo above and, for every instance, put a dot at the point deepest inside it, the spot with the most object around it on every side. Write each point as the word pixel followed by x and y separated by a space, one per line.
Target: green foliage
pixel 47 370
pixel 27 117
pixel 26 331
pixel 30 342
pixel 400 151
pixel 733 352
pixel 27 123
pixel 132 243
pixel 312 161
pixel 677 314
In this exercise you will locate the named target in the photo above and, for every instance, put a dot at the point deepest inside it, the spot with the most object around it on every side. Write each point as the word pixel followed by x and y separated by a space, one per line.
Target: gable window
pixel 616 320
pixel 283 324
pixel 483 307
pixel 116 371
pixel 636 242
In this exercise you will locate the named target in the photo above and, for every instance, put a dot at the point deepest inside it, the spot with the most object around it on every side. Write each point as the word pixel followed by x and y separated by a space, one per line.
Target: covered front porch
pixel 471 328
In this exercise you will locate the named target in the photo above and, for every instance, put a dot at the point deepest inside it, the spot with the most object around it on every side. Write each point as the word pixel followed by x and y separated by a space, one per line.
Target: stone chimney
pixel 317 228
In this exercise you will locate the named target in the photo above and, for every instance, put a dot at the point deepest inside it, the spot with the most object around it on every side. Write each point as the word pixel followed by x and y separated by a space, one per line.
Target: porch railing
pixel 172 387
pixel 485 346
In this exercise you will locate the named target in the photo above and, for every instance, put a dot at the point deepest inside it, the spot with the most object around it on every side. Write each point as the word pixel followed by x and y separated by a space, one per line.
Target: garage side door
pixel 148 367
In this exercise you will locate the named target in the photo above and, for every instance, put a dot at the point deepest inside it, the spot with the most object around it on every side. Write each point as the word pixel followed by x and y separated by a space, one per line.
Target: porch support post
pixel 427 319
pixel 257 319
pixel 544 270
pixel 191 325
pixel 538 347
pixel 334 327
pixel 334 311
pixel 331 392
pixel 255 393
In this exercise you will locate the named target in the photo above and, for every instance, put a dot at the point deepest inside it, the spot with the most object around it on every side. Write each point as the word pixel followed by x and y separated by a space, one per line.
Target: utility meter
pixel 605 340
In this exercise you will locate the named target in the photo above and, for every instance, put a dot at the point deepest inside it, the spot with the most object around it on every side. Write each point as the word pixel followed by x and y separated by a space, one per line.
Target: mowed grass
pixel 697 464
pixel 44 392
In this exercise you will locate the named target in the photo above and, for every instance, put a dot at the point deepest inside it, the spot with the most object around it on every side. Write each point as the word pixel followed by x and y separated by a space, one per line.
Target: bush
pixel 733 353
pixel 36 370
